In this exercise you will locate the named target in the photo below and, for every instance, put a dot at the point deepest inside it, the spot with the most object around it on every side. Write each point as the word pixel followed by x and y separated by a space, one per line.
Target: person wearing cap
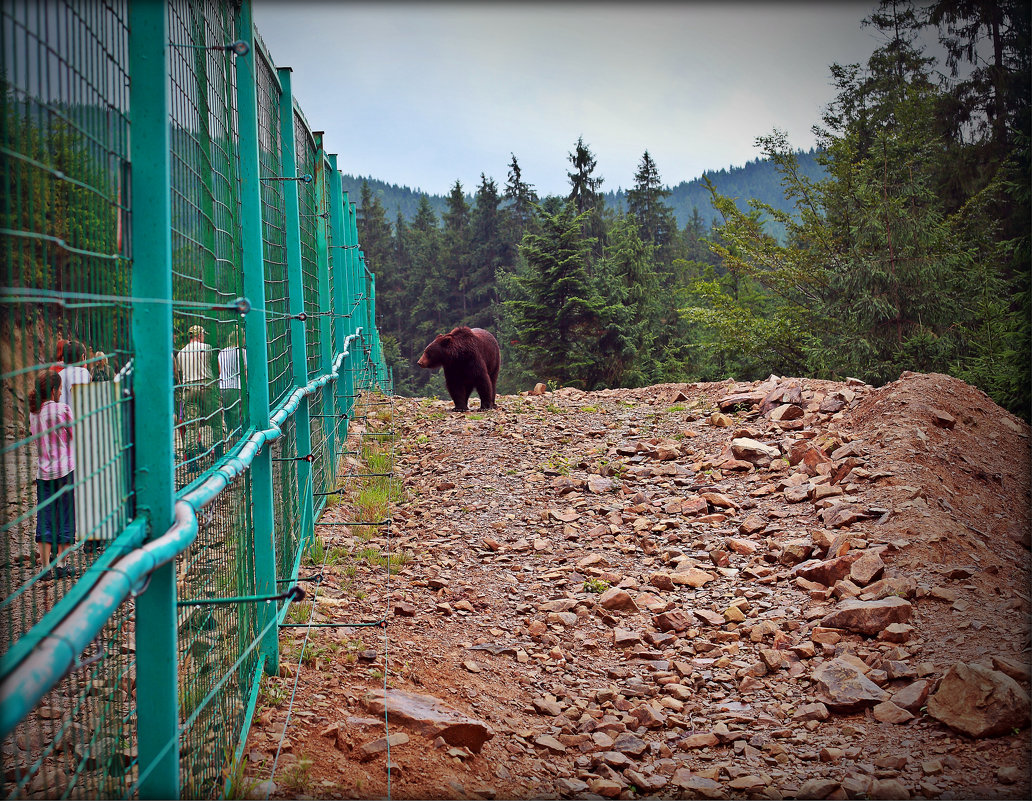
pixel 200 401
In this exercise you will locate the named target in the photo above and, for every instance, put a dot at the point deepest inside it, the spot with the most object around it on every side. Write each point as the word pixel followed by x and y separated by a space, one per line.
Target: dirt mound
pixel 672 591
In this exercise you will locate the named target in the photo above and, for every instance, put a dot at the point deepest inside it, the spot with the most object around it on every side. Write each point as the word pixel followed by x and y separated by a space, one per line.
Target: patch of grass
pixel 237 783
pixel 270 692
pixel 475 416
pixel 590 409
pixel 190 697
pixel 336 555
pixel 677 407
pixel 299 612
pixel 376 558
pixel 333 500
pixel 596 585
pixel 559 463
pixel 551 407
pixel 313 652
pixel 316 552
pixel 297 777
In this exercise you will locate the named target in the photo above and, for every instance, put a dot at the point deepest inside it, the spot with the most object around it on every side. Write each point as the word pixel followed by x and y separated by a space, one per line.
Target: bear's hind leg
pixel 459 389
pixel 485 389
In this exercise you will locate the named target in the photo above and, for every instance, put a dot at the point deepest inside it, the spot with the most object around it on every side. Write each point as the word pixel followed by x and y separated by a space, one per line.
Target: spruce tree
pixel 521 197
pixel 555 309
pixel 584 187
pixel 645 201
pixel 487 254
pixel 456 250
pixel 586 197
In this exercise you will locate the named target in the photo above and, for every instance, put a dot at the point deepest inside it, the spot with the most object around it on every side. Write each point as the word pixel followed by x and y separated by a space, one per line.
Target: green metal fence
pixel 187 325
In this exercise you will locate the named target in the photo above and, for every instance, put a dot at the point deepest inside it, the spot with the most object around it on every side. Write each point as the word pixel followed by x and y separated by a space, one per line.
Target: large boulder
pixel 754 451
pixel 979 701
pixel 431 716
pixel 842 687
pixel 868 617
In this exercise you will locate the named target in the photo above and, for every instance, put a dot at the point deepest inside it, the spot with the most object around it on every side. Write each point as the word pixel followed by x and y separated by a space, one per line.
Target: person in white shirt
pixel 230 359
pixel 73 372
pixel 199 399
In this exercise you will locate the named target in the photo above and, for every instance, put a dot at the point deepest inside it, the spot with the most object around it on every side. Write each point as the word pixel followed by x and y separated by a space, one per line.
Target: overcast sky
pixel 422 94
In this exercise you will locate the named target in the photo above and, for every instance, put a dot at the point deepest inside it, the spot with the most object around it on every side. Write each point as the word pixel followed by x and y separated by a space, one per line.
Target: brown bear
pixel 470 358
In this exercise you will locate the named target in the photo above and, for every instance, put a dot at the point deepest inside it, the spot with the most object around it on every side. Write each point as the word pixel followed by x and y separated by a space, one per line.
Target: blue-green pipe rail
pixel 23 685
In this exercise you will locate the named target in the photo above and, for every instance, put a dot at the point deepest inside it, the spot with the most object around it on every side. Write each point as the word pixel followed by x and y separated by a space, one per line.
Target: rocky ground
pixel 789 588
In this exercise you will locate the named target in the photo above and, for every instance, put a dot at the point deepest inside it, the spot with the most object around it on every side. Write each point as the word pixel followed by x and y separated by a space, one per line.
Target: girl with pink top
pixel 51 422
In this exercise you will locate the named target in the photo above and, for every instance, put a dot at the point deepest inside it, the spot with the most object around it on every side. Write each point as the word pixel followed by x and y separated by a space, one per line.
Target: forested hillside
pixel 757 180
pixel 905 245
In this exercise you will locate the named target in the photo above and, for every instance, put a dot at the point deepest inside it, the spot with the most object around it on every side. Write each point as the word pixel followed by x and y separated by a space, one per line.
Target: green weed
pixel 299 613
pixel 596 585
pixel 297 777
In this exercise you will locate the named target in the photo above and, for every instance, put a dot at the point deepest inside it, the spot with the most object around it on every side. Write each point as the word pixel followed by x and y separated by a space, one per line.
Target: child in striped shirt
pixel 51 422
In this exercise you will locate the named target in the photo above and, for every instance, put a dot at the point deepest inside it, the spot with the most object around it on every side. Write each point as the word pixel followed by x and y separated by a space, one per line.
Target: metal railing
pixel 171 221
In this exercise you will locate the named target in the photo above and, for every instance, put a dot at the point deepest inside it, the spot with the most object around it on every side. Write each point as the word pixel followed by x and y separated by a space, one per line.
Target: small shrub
pixel 596 585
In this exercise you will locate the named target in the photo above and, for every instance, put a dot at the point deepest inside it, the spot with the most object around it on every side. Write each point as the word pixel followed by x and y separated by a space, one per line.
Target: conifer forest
pixel 907 250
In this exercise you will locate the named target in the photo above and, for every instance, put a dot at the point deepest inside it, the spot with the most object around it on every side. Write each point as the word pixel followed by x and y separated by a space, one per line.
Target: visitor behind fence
pixel 199 397
pixel 230 358
pixel 58 365
pixel 73 372
pixel 101 369
pixel 50 421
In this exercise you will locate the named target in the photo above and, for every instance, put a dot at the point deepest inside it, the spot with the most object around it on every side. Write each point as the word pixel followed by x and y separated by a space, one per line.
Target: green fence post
pixel 350 296
pixel 366 295
pixel 329 424
pixel 375 346
pixel 157 683
pixel 263 532
pixel 296 305
pixel 340 291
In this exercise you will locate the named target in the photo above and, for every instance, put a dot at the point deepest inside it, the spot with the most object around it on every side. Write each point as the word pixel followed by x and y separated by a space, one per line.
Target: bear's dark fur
pixel 470 358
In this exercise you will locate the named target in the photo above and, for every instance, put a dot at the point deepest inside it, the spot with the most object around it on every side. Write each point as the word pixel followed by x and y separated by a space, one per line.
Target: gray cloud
pixel 424 94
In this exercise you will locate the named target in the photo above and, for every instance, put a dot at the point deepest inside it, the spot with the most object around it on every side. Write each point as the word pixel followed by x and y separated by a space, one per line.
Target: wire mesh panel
pixel 68 367
pixel 273 228
pixel 286 500
pixel 205 237
pixel 210 386
pixel 64 411
pixel 310 207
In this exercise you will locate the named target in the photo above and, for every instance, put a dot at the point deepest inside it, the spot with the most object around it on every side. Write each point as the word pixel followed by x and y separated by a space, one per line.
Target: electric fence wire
pixel 275 621
pixel 382 623
pixel 186 724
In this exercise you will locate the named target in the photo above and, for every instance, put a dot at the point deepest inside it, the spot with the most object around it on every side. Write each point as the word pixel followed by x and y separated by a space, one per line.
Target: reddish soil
pixel 498 519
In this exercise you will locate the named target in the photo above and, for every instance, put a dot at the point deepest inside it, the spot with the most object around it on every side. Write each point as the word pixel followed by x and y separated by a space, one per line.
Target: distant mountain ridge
pixel 757 179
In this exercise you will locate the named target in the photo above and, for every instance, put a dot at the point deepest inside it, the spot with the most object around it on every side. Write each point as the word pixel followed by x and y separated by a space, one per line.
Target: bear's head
pixel 435 353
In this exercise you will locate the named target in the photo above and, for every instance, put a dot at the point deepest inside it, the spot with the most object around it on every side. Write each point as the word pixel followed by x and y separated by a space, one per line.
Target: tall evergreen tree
pixel 487 253
pixel 584 187
pixel 456 249
pixel 586 197
pixel 555 307
pixel 431 278
pixel 374 232
pixel 645 201
pixel 521 197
